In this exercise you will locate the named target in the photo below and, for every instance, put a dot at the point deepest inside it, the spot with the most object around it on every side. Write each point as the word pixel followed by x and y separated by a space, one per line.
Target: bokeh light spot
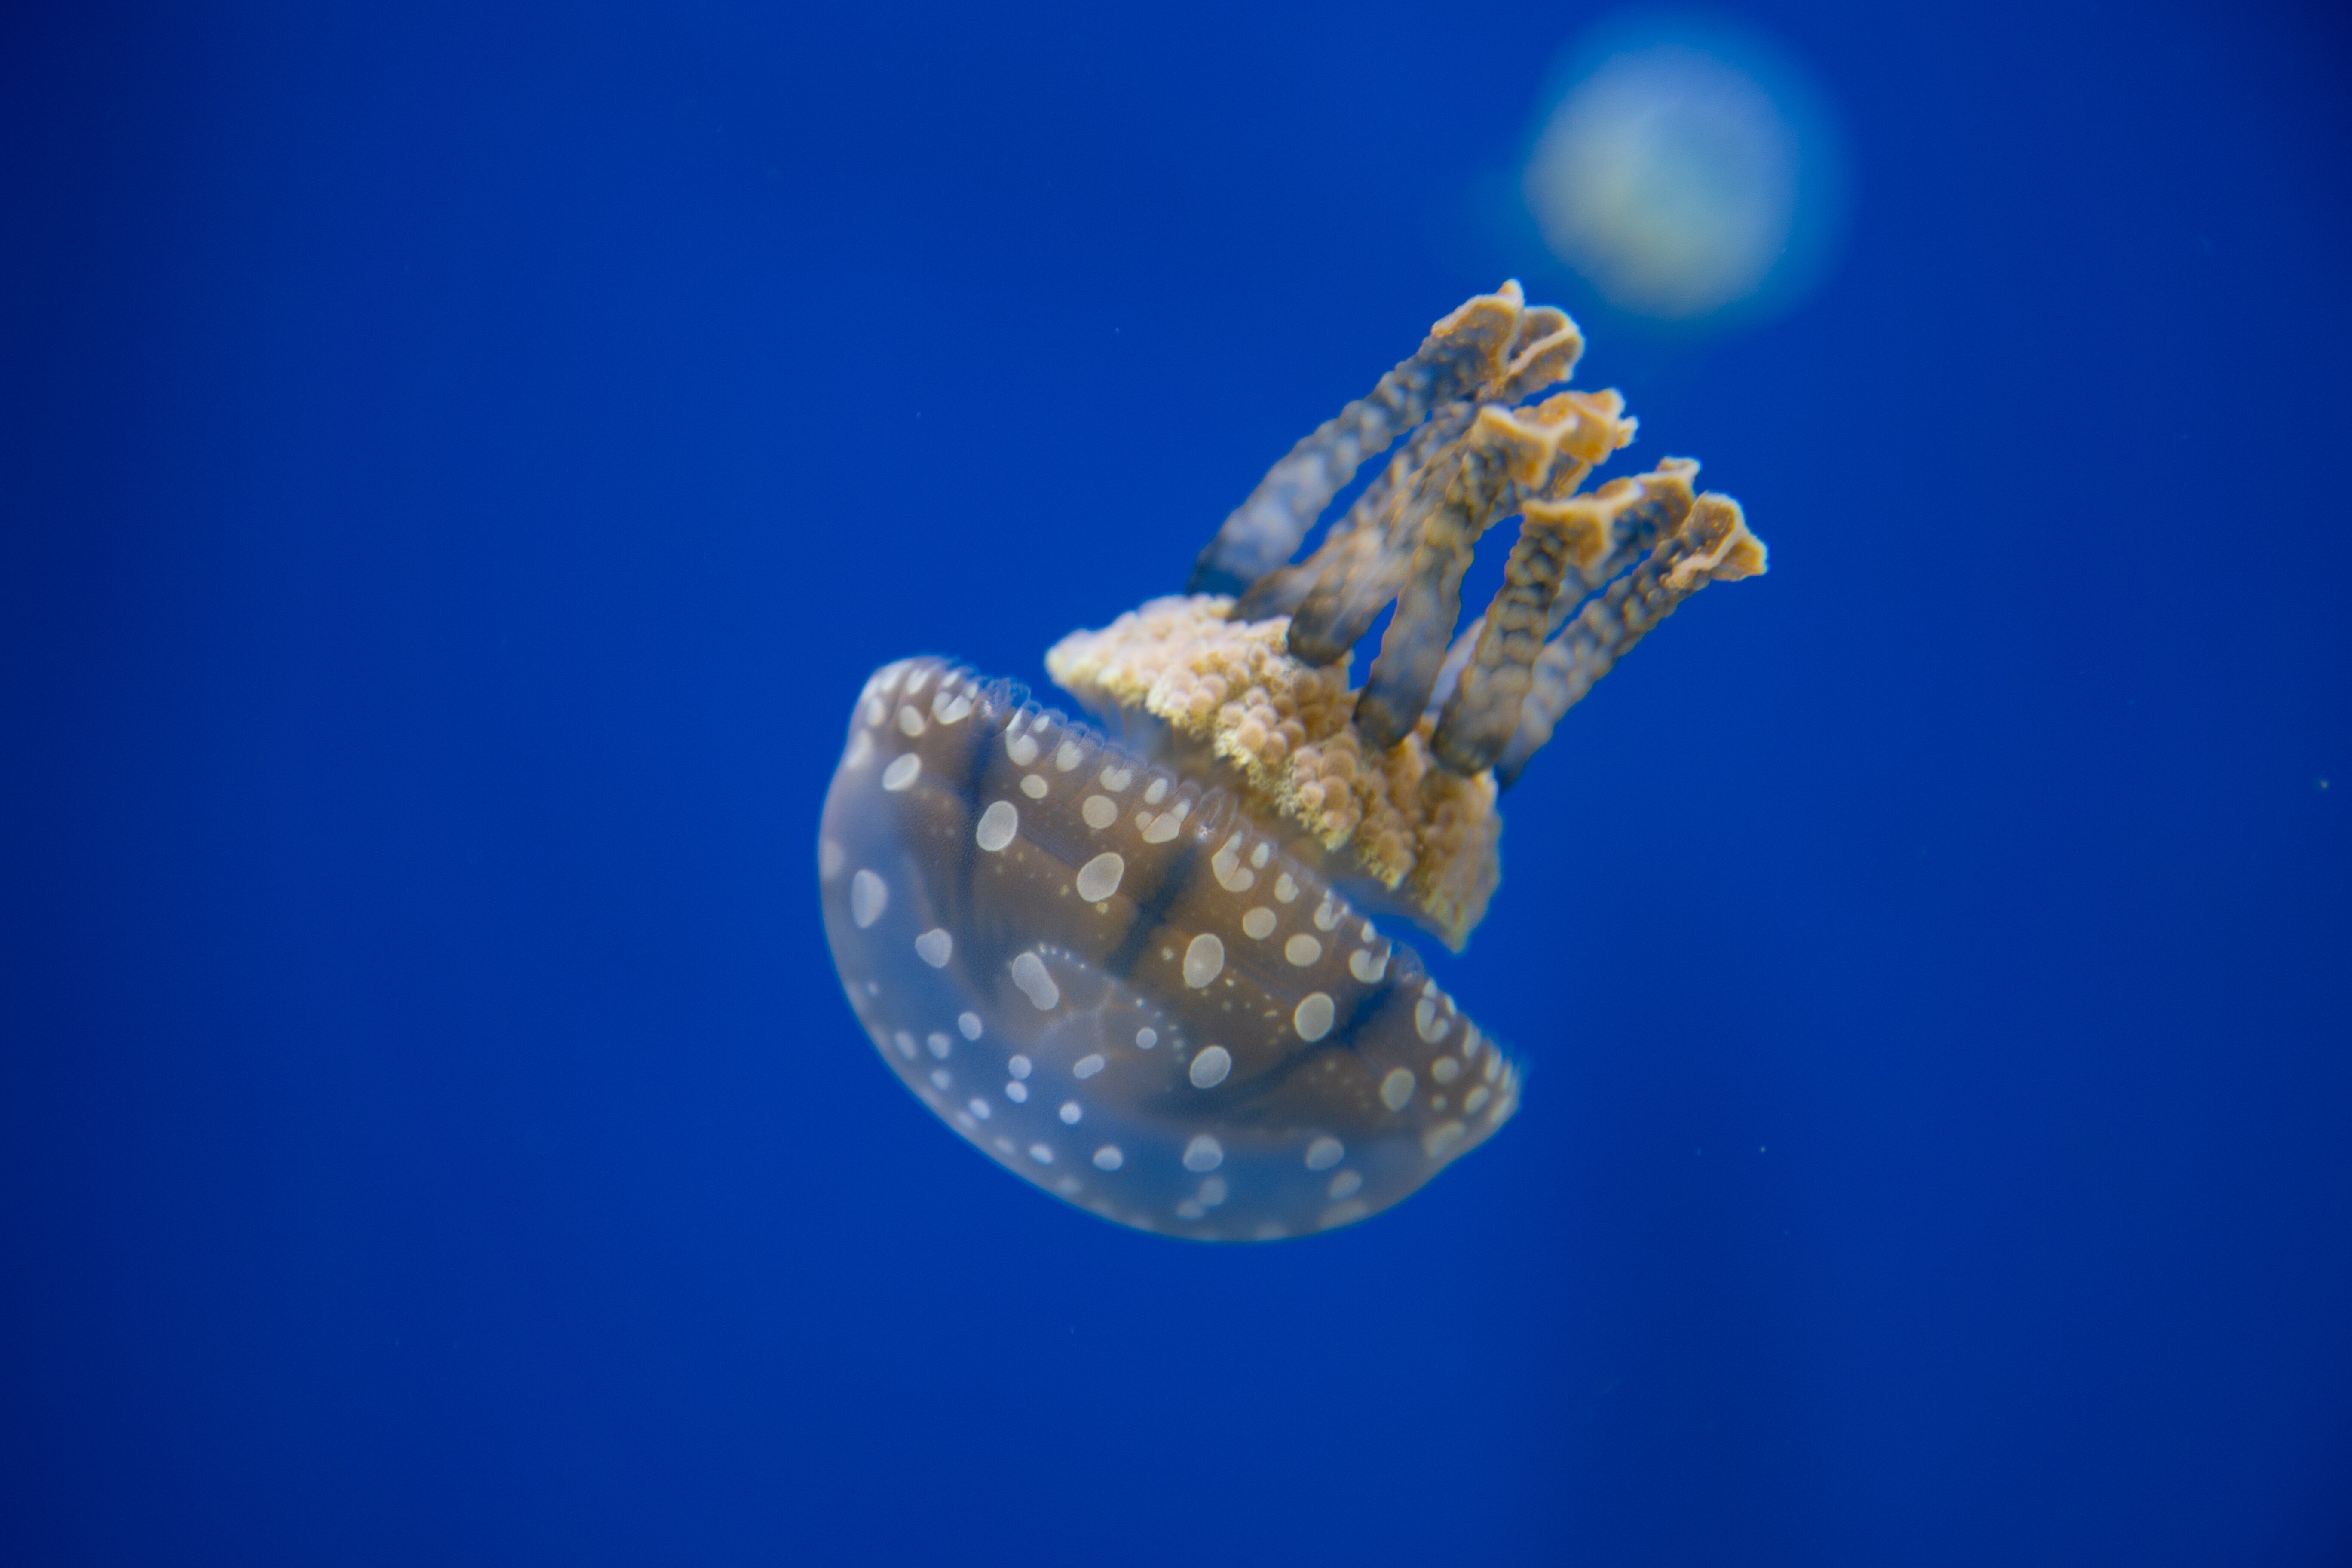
pixel 1682 175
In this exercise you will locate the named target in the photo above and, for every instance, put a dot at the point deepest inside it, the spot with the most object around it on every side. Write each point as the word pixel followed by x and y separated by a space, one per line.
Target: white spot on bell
pixel 1021 749
pixel 1325 1153
pixel 1257 923
pixel 938 1044
pixel 1070 1113
pixel 935 947
pixel 1019 1067
pixel 869 896
pixel 830 858
pixel 1365 967
pixel 1346 1184
pixel 1039 1153
pixel 969 1024
pixel 1204 956
pixel 979 1108
pixel 1086 1066
pixel 1029 974
pixel 1302 950
pixel 902 773
pixel 905 1042
pixel 910 722
pixel 997 825
pixel 1018 1093
pixel 1098 878
pixel 1033 786
pixel 1204 1154
pixel 1098 812
pixel 1231 875
pixel 1312 1018
pixel 1284 888
pixel 1443 1139
pixel 1210 1067
pixel 1213 1192
pixel 1109 1158
pixel 1396 1089
pixel 1146 1038
pixel 1446 1069
pixel 1065 756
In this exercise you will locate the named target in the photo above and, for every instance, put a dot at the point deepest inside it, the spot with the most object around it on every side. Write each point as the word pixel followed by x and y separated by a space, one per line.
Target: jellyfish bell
pixel 1150 975
pixel 1118 985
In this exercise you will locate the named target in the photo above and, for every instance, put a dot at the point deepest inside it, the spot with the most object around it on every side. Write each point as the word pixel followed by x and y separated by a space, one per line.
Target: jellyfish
pixel 1690 171
pixel 1140 962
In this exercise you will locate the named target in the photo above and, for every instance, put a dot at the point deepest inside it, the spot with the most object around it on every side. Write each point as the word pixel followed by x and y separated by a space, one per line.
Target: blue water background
pixel 457 461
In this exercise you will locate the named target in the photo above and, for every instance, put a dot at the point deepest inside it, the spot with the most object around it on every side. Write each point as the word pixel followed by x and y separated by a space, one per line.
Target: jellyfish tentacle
pixel 1636 511
pixel 1456 499
pixel 1457 660
pixel 1543 353
pixel 1466 349
pixel 1355 538
pixel 1509 459
pixel 1398 780
pixel 1566 549
pixel 1558 541
pixel 1370 569
pixel 1712 545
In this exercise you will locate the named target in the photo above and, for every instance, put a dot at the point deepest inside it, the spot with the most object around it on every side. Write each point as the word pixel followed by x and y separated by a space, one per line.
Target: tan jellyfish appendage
pixel 1399 779
pixel 1506 456
pixel 1713 545
pixel 1461 354
pixel 1232 694
pixel 1544 348
pixel 1566 549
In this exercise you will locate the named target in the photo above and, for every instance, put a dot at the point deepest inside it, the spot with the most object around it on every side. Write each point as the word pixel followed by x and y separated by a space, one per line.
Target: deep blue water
pixel 458 462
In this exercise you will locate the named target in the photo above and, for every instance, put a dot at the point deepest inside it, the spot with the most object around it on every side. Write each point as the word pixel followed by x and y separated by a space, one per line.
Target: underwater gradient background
pixel 456 463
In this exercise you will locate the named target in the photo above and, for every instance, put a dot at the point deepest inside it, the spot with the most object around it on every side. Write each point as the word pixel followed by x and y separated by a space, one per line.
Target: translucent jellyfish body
pixel 1119 987
pixel 1690 169
pixel 1143 976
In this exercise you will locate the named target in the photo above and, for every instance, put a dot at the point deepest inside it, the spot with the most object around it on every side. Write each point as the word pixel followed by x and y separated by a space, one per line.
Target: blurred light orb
pixel 1677 175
